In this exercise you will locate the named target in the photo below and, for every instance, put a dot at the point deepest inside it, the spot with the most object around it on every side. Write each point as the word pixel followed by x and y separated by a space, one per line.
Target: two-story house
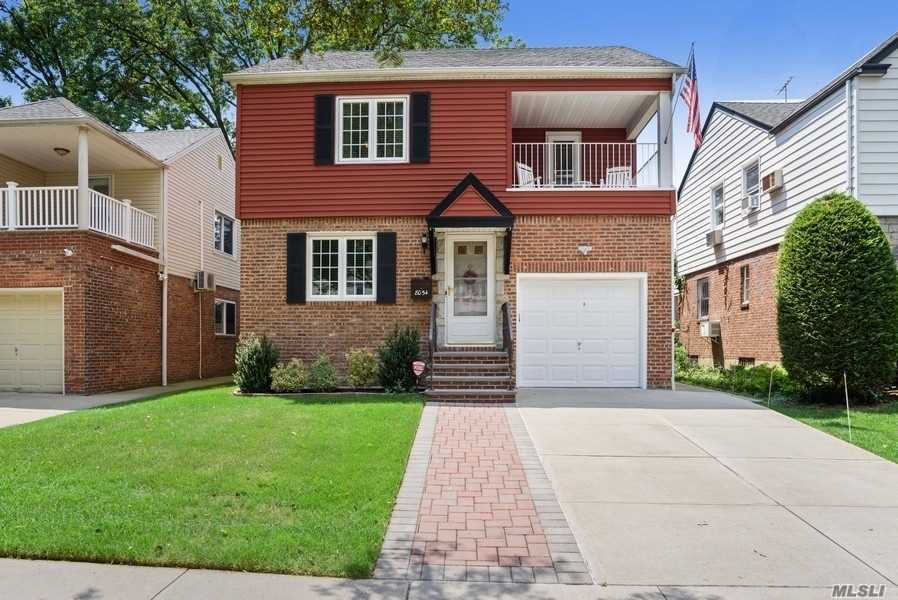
pixel 102 234
pixel 512 204
pixel 759 165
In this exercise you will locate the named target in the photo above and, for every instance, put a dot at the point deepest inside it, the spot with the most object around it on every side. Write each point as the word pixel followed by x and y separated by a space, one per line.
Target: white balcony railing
pixel 56 207
pixel 615 165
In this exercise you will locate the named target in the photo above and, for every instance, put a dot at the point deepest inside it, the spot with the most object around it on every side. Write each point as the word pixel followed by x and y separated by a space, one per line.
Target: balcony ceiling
pixel 34 144
pixel 580 109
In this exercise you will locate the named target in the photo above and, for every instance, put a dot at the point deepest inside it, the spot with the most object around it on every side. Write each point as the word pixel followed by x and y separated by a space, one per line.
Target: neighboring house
pixel 503 202
pixel 101 236
pixel 759 165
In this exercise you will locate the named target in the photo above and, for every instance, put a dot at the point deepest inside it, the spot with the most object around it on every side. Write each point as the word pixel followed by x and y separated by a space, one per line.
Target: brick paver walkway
pixel 477 518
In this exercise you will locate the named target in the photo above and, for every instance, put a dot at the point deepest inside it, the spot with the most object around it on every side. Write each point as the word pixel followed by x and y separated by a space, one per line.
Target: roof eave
pixel 461 73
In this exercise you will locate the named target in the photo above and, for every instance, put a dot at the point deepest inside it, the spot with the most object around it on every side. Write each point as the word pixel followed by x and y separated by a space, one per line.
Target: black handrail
pixel 433 341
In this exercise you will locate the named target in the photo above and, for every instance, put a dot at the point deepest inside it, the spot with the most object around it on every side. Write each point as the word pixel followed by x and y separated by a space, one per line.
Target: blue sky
pixel 745 50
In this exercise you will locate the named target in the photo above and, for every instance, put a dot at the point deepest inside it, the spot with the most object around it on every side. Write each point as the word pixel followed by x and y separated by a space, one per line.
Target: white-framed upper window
pixel 100 183
pixel 341 266
pixel 225 316
pixel 744 285
pixel 372 129
pixel 703 297
pixel 717 212
pixel 751 184
pixel 223 234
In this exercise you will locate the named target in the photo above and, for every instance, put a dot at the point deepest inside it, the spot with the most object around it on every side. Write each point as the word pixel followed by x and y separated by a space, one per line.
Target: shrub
pixel 837 297
pixel 322 375
pixel 361 370
pixel 740 379
pixel 255 357
pixel 288 377
pixel 400 348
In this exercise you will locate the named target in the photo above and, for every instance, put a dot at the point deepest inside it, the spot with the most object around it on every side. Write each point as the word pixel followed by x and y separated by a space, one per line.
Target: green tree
pixel 837 298
pixel 161 63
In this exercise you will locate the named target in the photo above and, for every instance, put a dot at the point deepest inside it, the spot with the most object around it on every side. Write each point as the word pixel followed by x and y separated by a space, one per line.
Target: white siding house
pixel 877 139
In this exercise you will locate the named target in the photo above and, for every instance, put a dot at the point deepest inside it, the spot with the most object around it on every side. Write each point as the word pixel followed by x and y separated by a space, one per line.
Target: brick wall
pixel 187 341
pixel 305 330
pixel 540 244
pixel 745 332
pixel 620 244
pixel 112 305
pixel 112 309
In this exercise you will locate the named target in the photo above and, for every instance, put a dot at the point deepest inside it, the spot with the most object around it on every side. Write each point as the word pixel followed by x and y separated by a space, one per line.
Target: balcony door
pixel 470 289
pixel 563 157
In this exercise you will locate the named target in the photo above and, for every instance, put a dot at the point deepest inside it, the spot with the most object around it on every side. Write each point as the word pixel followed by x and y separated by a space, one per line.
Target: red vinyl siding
pixel 470 132
pixel 470 204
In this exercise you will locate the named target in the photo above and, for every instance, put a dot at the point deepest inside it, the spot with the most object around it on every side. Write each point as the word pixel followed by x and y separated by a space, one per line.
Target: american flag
pixel 689 94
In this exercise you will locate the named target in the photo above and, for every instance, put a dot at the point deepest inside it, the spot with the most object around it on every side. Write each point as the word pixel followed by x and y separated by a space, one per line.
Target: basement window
pixel 745 361
pixel 225 317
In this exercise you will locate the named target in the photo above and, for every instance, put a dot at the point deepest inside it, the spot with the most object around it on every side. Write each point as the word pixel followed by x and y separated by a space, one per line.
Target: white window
pixel 703 300
pixel 372 129
pixel 341 267
pixel 744 282
pixel 225 317
pixel 751 185
pixel 717 213
pixel 100 183
pixel 223 234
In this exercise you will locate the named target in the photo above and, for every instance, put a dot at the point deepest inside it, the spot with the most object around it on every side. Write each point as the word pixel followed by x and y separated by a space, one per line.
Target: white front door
pixel 580 332
pixel 470 289
pixel 31 341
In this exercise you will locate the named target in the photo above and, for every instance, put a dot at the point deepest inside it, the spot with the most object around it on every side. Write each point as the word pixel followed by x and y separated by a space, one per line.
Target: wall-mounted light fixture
pixel 61 151
pixel 68 251
pixel 584 248
pixel 425 241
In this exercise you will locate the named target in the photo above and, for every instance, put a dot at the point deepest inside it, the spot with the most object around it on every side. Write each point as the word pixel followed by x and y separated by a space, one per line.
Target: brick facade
pixel 746 332
pixel 540 244
pixel 112 309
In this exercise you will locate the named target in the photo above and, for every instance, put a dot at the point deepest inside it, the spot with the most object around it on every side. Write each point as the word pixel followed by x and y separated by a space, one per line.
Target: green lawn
pixel 207 479
pixel 874 428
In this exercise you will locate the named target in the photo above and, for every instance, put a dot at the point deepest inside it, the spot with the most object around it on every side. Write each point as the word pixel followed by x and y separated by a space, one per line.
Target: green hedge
pixel 837 295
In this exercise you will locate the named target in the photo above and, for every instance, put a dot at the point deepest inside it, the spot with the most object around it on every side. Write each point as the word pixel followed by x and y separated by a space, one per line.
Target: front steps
pixel 471 374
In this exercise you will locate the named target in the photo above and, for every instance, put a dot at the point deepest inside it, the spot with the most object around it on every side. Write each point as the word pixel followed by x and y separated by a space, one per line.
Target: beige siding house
pixel 138 215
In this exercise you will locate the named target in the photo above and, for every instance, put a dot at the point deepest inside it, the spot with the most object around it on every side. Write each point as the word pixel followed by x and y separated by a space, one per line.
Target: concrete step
pixel 471 395
pixel 441 382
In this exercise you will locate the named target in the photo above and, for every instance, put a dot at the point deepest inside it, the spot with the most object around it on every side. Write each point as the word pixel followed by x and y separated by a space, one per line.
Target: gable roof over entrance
pixel 470 204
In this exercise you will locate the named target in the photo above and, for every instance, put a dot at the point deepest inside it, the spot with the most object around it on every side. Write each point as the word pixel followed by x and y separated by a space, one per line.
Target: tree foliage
pixel 837 298
pixel 161 63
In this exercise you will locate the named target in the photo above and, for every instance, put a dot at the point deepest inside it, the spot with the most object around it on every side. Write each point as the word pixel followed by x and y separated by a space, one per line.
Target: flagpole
pixel 673 109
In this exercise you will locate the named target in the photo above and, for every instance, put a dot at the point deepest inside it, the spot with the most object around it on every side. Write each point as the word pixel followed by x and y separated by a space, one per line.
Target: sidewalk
pixel 49 580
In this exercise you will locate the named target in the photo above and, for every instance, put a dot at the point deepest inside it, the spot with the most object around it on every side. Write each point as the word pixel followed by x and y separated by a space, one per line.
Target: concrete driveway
pixel 707 495
pixel 18 407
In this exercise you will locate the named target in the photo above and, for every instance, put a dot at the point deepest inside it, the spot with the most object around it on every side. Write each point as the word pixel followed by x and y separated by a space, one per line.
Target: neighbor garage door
pixel 31 335
pixel 580 332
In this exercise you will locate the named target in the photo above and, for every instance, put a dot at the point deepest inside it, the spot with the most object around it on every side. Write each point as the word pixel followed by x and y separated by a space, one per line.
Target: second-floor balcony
pixel 577 165
pixel 56 207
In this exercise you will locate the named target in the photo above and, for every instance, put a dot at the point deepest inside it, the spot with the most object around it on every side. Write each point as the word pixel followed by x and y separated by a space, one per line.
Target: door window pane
pixel 469 279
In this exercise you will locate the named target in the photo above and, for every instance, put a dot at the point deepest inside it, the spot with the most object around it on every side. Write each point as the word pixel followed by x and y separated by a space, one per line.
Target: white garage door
pixel 31 335
pixel 580 332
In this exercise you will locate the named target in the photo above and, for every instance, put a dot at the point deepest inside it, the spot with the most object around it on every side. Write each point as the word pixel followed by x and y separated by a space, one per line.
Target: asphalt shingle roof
pixel 768 114
pixel 163 145
pixel 460 58
pixel 43 110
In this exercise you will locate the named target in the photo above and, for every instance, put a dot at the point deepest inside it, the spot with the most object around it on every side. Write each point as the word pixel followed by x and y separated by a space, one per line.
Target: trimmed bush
pixel 837 298
pixel 322 375
pixel 253 361
pixel 361 369
pixel 395 358
pixel 288 377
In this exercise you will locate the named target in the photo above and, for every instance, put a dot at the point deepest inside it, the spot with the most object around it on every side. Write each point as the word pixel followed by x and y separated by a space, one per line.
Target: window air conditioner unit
pixel 773 181
pixel 204 281
pixel 753 203
pixel 714 237
pixel 709 329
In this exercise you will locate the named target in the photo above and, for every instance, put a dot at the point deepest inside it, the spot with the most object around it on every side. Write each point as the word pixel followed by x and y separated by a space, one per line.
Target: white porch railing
pixel 56 207
pixel 612 165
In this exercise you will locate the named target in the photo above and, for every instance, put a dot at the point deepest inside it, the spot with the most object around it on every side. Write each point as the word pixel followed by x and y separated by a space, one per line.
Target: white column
pixel 83 174
pixel 665 142
pixel 126 226
pixel 11 204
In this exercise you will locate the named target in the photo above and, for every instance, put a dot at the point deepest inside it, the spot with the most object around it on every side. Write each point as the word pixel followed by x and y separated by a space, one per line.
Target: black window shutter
pixel 324 129
pixel 420 123
pixel 386 267
pixel 296 268
pixel 507 251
